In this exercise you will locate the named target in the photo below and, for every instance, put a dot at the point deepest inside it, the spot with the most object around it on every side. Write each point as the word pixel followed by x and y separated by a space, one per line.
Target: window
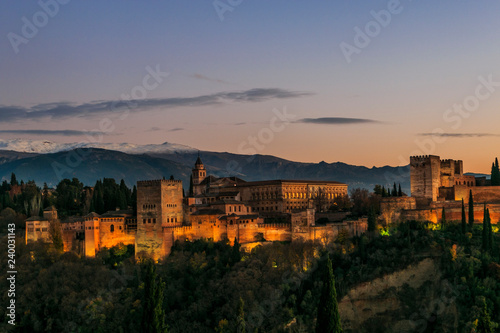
pixel 143 221
pixel 154 221
pixel 112 228
pixel 149 220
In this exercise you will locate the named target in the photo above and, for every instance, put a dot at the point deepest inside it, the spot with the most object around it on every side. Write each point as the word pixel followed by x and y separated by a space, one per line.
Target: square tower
pixel 425 176
pixel 159 204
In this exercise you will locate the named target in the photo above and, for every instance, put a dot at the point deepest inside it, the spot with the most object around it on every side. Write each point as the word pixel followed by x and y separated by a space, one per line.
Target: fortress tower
pixel 159 205
pixel 425 174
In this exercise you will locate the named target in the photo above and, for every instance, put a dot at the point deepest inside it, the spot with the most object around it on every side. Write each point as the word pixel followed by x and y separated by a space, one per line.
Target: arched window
pixel 112 228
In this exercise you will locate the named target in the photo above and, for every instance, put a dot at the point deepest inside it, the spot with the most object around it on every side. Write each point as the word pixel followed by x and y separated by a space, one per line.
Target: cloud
pixel 65 110
pixel 206 78
pixel 50 132
pixel 336 121
pixel 460 135
pixel 154 129
pixel 176 129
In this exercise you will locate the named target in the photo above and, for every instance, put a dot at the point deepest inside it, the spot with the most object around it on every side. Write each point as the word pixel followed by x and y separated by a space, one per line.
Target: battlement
pixel 158 182
pixel 274 225
pixel 422 158
pixel 183 228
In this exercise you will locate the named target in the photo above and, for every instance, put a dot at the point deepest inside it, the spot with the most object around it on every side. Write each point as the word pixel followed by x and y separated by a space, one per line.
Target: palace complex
pixel 215 208
pixel 438 185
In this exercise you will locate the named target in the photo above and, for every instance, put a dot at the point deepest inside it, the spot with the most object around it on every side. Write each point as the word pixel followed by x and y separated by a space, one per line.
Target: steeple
pixel 198 162
pixel 199 171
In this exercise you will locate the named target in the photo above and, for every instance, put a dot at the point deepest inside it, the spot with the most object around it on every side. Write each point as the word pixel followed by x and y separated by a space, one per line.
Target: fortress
pixel 216 208
pixel 437 184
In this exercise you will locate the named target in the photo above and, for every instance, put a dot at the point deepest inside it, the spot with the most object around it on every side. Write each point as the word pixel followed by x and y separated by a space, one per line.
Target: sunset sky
pixel 362 82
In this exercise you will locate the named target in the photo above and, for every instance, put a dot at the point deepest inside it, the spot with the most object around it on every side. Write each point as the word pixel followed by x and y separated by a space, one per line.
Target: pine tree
pixel 471 211
pixel 153 316
pixel 328 320
pixel 464 220
pixel 240 322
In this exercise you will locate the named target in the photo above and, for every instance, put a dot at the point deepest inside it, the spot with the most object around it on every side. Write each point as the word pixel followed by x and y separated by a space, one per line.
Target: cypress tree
pixel 153 316
pixel 490 230
pixel 485 238
pixel 464 221
pixel 241 327
pixel 384 193
pixel 236 255
pixel 13 179
pixel 133 199
pixel 191 194
pixel 495 173
pixel 394 190
pixel 328 320
pixel 471 211
pixel 400 193
pixel 443 218
pixel 372 220
pixel 484 324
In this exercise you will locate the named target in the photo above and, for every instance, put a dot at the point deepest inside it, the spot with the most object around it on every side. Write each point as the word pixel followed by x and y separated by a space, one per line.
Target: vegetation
pixel 328 319
pixel 213 286
pixel 495 173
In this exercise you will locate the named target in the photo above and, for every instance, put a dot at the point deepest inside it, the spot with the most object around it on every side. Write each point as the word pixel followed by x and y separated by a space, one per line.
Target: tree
pixel 153 316
pixel 471 210
pixel 400 192
pixel 191 193
pixel 464 221
pixel 372 220
pixel 443 218
pixel 133 199
pixel 484 324
pixel 236 255
pixel 486 228
pixel 240 321
pixel 13 180
pixel 55 232
pixel 378 189
pixel 495 173
pixel 394 190
pixel 328 320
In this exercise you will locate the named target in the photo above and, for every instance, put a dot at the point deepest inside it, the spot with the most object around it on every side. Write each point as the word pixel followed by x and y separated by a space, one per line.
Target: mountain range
pixel 48 162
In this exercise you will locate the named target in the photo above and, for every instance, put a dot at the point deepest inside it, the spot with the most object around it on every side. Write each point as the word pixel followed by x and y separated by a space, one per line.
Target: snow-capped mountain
pixel 47 147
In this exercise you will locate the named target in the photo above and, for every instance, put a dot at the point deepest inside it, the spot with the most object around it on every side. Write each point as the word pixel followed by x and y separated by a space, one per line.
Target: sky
pixel 362 82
